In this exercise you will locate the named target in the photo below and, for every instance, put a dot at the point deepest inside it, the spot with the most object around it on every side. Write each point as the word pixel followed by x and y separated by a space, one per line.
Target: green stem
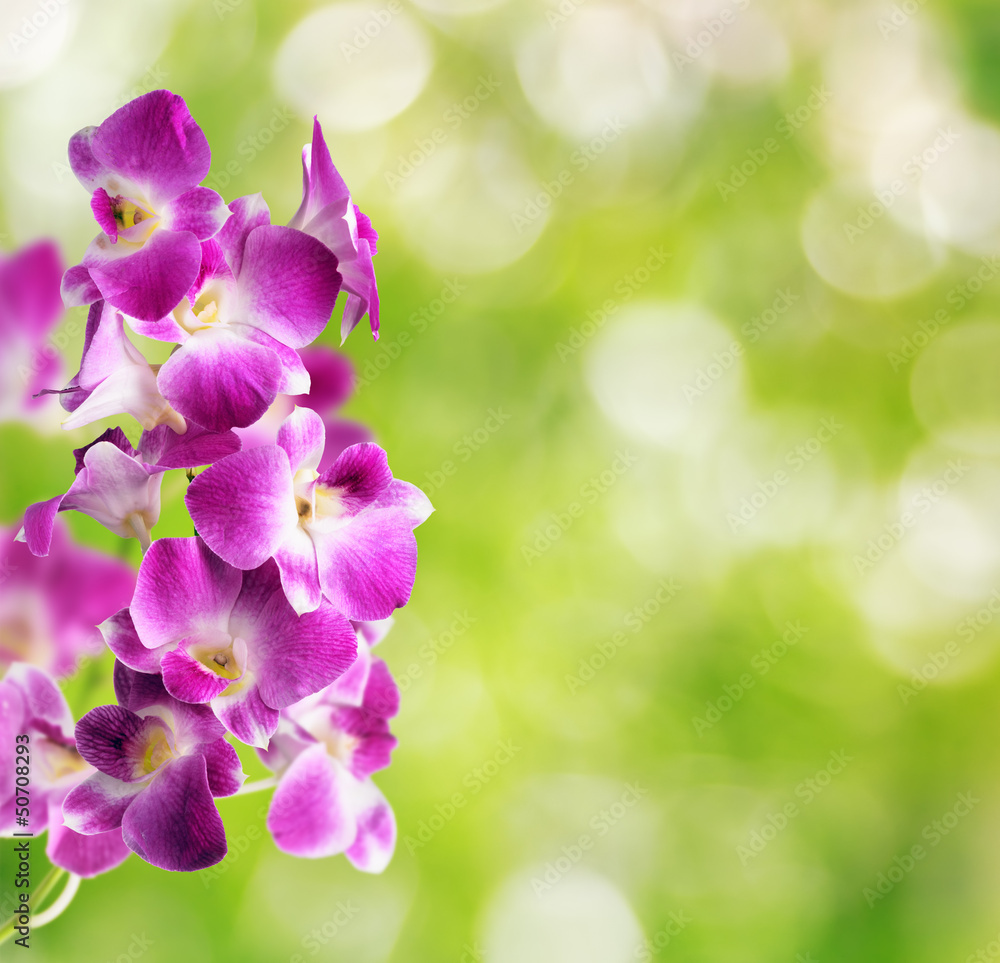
pixel 44 888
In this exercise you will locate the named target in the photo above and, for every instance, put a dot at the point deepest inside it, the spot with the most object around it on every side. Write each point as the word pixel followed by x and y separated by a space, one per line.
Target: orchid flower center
pixel 208 309
pixel 158 751
pixel 224 660
pixel 127 213
pixel 340 745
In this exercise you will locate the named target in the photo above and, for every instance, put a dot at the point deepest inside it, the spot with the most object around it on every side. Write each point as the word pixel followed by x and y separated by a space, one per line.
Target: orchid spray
pixel 260 628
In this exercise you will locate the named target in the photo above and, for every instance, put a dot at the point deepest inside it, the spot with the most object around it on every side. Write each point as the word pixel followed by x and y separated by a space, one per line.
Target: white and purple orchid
pixel 160 762
pixel 328 213
pixel 142 167
pixel 346 535
pixel 259 628
pixel 227 638
pixel 35 716
pixel 119 486
pixel 324 754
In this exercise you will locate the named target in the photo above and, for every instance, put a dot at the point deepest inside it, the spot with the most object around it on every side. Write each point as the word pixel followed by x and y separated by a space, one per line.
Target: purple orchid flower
pixel 49 606
pixel 160 762
pixel 262 292
pixel 119 486
pixel 328 213
pixel 114 378
pixel 30 307
pixel 324 754
pixel 332 379
pixel 34 715
pixel 346 534
pixel 142 167
pixel 227 638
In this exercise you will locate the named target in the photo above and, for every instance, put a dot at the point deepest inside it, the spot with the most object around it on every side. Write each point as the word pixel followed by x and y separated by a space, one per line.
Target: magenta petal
pixel 294 656
pixel 197 446
pixel 367 568
pixel 349 689
pixel 89 170
pixel 113 740
pixel 376 839
pixel 225 772
pixel 183 588
pixel 311 813
pixel 200 210
pixel 244 505
pixel 288 284
pixel 123 640
pixel 333 379
pixel 294 377
pixel 175 824
pixel 302 436
pixel 38 521
pixel 77 287
pixel 147 282
pixel 86 856
pixel 248 213
pixel 359 475
pixel 154 141
pixel 296 559
pixel 98 804
pixel 104 213
pixel 246 716
pixel 220 380
pixel 187 679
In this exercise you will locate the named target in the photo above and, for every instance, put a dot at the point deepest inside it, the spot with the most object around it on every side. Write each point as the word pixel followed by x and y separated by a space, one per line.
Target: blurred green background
pixel 689 330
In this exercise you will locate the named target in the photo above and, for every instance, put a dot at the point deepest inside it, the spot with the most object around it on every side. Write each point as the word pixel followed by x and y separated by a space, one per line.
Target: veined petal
pixel 247 716
pixel 359 476
pixel 154 141
pixel 376 838
pixel 113 739
pixel 367 568
pixel 200 210
pixel 408 498
pixel 145 282
pixel 225 772
pixel 311 812
pixel 302 436
pixel 174 824
pixel 187 679
pixel 182 589
pixel 85 856
pixel 220 380
pixel 288 284
pixel 90 172
pixel 197 446
pixel 296 560
pixel 124 642
pixel 38 522
pixel 248 213
pixel 98 804
pixel 294 376
pixel 244 505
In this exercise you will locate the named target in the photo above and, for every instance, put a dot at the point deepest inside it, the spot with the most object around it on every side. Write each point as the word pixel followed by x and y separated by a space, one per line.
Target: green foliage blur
pixel 701 379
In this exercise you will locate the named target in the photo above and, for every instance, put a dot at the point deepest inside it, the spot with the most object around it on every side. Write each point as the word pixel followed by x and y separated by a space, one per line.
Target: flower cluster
pixel 259 628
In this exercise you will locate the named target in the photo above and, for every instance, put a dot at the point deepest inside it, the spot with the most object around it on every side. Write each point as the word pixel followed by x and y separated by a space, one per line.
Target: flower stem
pixel 259 786
pixel 43 889
pixel 138 525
